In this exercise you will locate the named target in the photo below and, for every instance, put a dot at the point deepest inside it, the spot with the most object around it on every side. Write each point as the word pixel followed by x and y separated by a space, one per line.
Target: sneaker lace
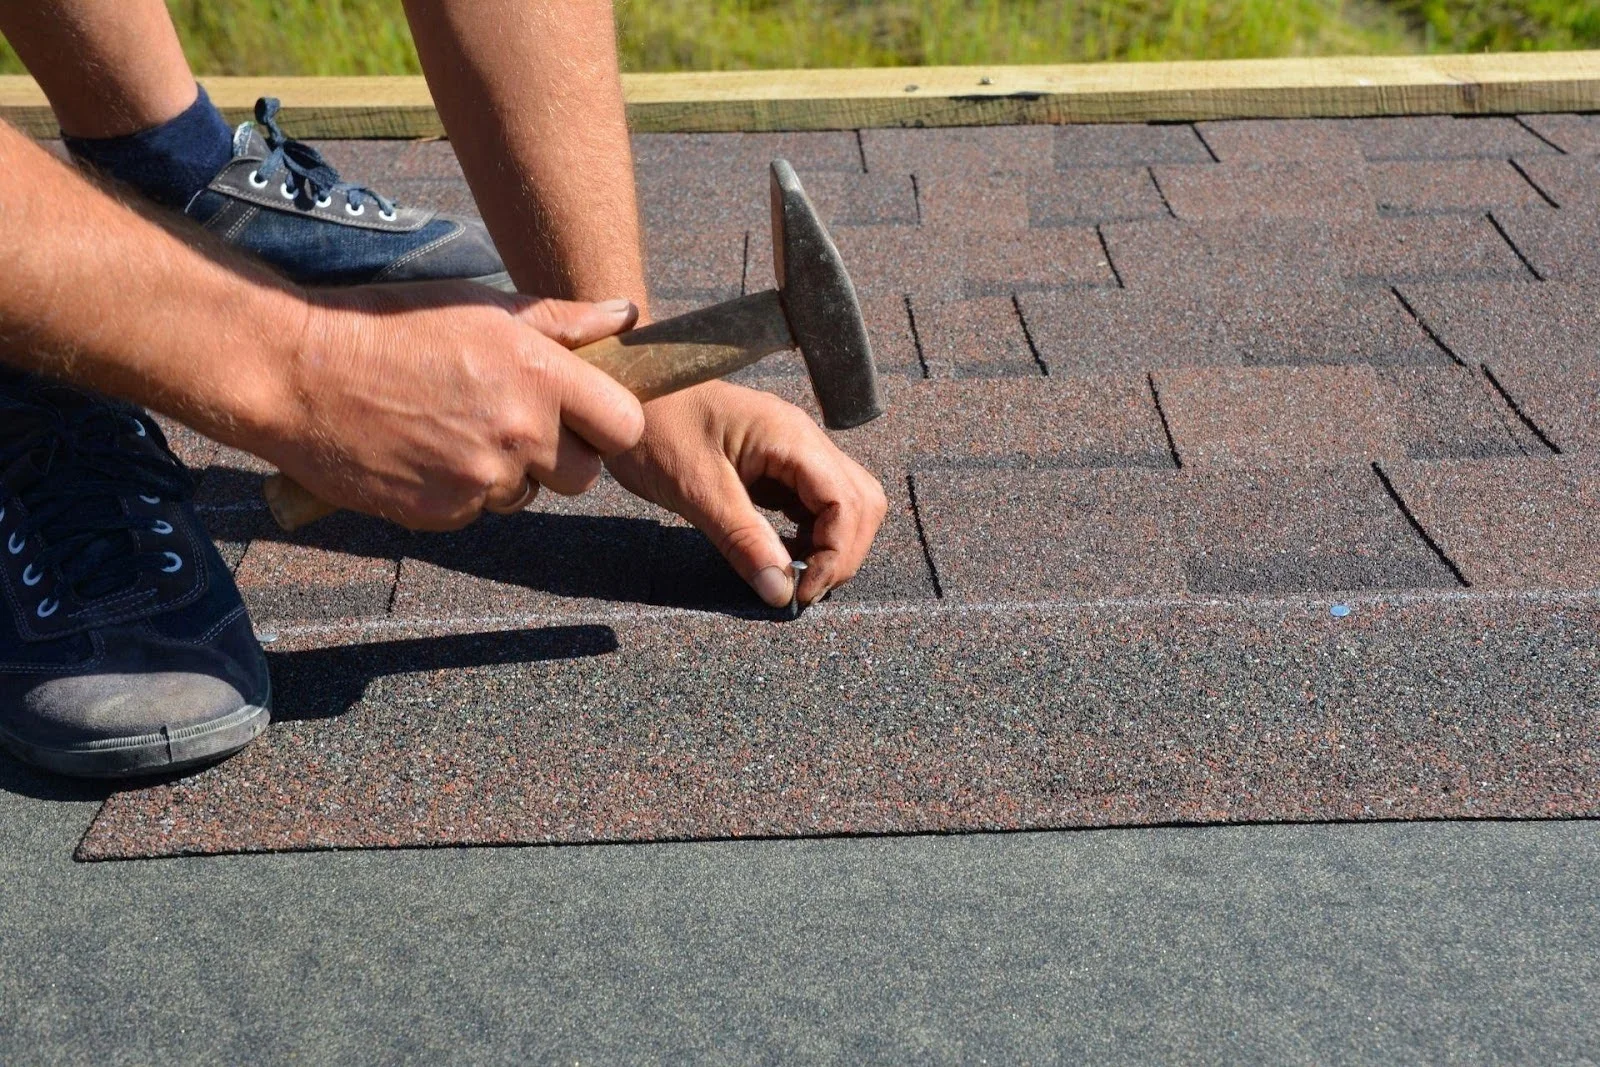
pixel 314 177
pixel 69 470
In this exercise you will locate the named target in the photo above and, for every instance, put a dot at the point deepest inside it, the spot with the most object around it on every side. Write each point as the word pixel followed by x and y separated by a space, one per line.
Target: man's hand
pixel 427 404
pixel 705 451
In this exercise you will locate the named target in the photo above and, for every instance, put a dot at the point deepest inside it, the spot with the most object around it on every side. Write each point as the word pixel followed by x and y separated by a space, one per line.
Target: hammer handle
pixel 651 361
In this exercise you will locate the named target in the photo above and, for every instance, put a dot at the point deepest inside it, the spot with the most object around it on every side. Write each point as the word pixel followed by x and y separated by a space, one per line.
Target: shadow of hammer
pixel 813 309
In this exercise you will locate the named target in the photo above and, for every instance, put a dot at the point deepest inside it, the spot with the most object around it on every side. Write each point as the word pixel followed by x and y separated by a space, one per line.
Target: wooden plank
pixel 1118 92
pixel 313 107
pixel 1503 83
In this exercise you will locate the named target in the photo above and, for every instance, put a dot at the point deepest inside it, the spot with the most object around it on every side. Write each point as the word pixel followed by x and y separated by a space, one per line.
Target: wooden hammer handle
pixel 651 361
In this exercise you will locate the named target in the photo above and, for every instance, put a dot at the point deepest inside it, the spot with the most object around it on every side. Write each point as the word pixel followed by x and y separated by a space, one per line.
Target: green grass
pixel 370 36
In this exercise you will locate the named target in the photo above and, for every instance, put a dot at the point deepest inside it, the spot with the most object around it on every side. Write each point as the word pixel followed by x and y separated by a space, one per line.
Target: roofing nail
pixel 797 567
pixel 1339 611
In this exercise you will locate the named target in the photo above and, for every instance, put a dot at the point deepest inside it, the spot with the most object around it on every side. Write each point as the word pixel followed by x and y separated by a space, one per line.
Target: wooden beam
pixel 1496 83
pixel 1118 92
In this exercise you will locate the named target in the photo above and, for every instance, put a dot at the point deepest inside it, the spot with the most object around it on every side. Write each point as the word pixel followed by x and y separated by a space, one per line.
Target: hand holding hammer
pixel 814 309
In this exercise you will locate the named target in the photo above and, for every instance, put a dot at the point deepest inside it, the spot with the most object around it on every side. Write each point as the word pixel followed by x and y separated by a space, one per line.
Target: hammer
pixel 813 309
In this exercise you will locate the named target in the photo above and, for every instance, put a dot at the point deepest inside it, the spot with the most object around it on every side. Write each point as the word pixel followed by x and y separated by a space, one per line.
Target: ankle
pixel 168 163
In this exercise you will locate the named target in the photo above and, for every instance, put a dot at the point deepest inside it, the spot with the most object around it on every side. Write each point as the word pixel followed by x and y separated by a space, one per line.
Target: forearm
pixel 529 92
pixel 100 296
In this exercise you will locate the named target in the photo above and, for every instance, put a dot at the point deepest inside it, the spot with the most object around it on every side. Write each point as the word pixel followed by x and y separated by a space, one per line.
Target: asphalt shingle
pixel 1109 715
pixel 1120 145
pixel 1171 394
pixel 974 338
pixel 1559 245
pixel 1261 416
pixel 1122 330
pixel 1470 186
pixel 1444 137
pixel 1315 189
pixel 1568 181
pixel 1540 343
pixel 1512 524
pixel 1101 420
pixel 969 150
pixel 1031 536
pixel 1279 140
pixel 1438 248
pixel 1577 134
pixel 344 568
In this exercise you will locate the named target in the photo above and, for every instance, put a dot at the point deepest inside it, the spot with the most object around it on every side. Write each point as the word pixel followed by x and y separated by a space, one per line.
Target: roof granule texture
pixel 1160 399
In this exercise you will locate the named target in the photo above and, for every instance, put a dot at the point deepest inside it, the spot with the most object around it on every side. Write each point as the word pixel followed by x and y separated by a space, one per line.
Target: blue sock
pixel 168 163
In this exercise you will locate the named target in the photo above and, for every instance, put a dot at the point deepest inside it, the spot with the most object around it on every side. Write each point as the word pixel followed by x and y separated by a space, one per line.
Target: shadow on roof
pixel 326 682
pixel 617 558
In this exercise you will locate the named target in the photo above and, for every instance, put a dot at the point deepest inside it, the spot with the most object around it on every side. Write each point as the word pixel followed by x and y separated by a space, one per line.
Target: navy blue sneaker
pixel 124 646
pixel 280 200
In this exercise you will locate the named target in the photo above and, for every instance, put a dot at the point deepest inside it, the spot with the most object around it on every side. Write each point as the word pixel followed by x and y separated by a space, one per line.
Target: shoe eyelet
pixel 177 563
pixel 2 514
pixel 256 180
pixel 138 428
pixel 287 191
pixel 36 574
pixel 388 216
pixel 45 612
pixel 150 499
pixel 161 526
pixel 354 209
pixel 324 201
pixel 14 545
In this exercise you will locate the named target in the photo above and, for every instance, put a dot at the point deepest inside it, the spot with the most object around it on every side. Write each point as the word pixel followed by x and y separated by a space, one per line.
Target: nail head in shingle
pixel 797 567
pixel 1339 611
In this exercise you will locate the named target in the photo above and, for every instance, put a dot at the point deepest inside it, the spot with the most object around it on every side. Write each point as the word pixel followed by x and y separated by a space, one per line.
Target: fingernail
pixel 614 307
pixel 772 586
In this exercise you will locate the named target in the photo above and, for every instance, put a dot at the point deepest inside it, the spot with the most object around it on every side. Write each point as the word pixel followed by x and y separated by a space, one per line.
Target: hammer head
pixel 820 302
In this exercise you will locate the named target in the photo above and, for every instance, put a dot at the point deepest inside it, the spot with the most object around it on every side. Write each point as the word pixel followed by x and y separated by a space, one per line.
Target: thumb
pixel 723 512
pixel 575 323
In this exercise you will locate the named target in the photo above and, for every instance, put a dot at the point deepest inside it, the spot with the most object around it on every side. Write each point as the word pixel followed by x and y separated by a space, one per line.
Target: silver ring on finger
pixel 530 489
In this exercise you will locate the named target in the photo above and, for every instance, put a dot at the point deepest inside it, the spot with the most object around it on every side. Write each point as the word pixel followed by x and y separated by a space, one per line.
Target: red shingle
pixel 971 150
pixel 1561 245
pixel 343 567
pixel 1434 187
pixel 1121 145
pixel 1223 417
pixel 1568 180
pixel 1318 190
pixel 1124 330
pixel 1435 248
pixel 1444 137
pixel 1577 134
pixel 1046 535
pixel 1510 524
pixel 1100 421
pixel 1281 140
pixel 1192 257
pixel 972 338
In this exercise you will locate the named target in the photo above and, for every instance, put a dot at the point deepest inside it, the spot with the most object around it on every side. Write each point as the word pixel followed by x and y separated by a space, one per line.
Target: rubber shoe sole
pixel 145 754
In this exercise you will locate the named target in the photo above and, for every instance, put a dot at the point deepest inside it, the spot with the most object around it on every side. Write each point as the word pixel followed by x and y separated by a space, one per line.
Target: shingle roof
pixel 1161 399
